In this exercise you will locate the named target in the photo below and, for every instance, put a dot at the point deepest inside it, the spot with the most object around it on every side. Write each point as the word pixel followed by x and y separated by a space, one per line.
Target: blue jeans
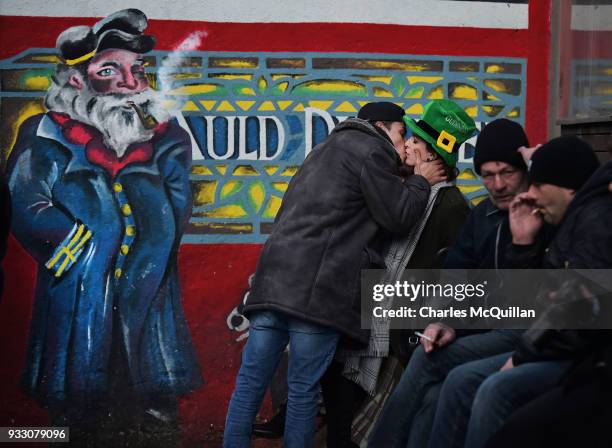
pixel 477 398
pixel 408 414
pixel 312 348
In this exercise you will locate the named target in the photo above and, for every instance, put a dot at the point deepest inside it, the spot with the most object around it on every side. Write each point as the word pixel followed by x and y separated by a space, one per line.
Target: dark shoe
pixel 272 429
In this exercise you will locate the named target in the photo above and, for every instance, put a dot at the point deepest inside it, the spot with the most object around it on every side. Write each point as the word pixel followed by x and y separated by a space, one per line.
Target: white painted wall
pixel 592 17
pixel 400 12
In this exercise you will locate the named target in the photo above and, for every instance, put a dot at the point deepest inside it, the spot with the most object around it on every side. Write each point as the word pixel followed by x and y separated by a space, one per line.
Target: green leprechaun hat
pixel 445 126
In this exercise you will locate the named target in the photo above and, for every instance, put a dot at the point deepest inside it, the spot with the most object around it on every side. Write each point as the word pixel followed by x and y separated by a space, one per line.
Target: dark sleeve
pixel 393 204
pixel 446 219
pixel 589 238
pixel 528 256
pixel 454 220
pixel 546 344
pixel 461 254
pixel 592 239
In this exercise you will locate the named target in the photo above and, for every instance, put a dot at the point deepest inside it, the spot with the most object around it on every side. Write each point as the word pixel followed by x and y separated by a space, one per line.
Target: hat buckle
pixel 446 141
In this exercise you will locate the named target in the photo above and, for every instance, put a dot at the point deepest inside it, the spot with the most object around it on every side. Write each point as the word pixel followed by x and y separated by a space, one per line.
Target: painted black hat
pixel 122 30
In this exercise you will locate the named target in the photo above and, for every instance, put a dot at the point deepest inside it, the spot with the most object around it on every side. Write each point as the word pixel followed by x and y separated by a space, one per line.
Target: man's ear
pixel 76 80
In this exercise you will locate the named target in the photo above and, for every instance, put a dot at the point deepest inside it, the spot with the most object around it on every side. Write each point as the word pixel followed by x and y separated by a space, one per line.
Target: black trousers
pixel 342 400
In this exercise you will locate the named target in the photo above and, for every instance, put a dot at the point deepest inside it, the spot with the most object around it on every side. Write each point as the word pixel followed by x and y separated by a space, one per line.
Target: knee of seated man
pixel 462 376
pixel 421 361
pixel 492 389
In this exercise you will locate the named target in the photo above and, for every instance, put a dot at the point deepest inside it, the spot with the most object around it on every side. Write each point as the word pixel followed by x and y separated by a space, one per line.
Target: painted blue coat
pixel 136 222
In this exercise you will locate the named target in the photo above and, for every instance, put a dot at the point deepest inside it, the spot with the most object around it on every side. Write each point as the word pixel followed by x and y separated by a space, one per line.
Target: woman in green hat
pixel 439 134
pixel 444 127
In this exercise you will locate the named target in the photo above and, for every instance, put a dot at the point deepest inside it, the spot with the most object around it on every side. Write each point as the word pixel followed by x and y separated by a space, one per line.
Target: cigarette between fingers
pixel 421 335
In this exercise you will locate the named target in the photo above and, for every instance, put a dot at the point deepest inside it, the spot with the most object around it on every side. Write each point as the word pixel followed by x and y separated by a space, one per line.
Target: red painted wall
pixel 214 276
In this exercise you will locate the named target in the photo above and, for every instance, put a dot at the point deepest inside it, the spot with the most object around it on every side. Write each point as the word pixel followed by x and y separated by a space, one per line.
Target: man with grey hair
pixel 101 197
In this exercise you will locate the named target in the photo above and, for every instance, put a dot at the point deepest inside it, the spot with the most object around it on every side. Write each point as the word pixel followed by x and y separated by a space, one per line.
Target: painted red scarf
pixel 95 149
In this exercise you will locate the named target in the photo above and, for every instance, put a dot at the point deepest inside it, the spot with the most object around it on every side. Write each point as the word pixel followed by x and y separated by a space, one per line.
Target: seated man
pixel 408 414
pixel 578 411
pixel 486 392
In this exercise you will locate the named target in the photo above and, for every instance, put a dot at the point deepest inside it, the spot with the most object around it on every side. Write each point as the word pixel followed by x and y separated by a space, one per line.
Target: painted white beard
pixel 109 113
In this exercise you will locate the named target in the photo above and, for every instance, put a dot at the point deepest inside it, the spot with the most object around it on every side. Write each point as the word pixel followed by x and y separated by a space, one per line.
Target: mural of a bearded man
pixel 100 195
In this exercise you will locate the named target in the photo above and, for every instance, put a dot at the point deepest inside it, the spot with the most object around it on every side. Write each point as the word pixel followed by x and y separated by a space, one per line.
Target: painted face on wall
pixel 117 71
pixel 552 201
pixel 413 145
pixel 503 182
pixel 115 98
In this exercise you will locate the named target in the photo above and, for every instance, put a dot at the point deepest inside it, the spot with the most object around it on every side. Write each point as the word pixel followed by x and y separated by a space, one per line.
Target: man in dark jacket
pixel 504 175
pixel 306 287
pixel 407 417
pixel 582 404
pixel 583 239
pixel 489 390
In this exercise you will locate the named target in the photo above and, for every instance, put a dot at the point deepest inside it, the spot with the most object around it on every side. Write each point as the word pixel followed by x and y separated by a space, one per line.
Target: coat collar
pixel 490 208
pixel 79 136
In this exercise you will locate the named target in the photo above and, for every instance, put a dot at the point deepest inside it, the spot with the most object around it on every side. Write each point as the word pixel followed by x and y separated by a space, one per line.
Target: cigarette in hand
pixel 421 335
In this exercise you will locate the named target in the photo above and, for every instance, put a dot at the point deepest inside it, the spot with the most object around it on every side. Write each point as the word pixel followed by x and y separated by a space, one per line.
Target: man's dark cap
pixel 499 141
pixel 566 162
pixel 381 111
pixel 120 30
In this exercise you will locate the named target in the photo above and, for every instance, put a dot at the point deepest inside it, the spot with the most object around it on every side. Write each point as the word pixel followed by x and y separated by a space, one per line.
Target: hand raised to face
pixel 432 171
pixel 525 219
pixel 527 153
